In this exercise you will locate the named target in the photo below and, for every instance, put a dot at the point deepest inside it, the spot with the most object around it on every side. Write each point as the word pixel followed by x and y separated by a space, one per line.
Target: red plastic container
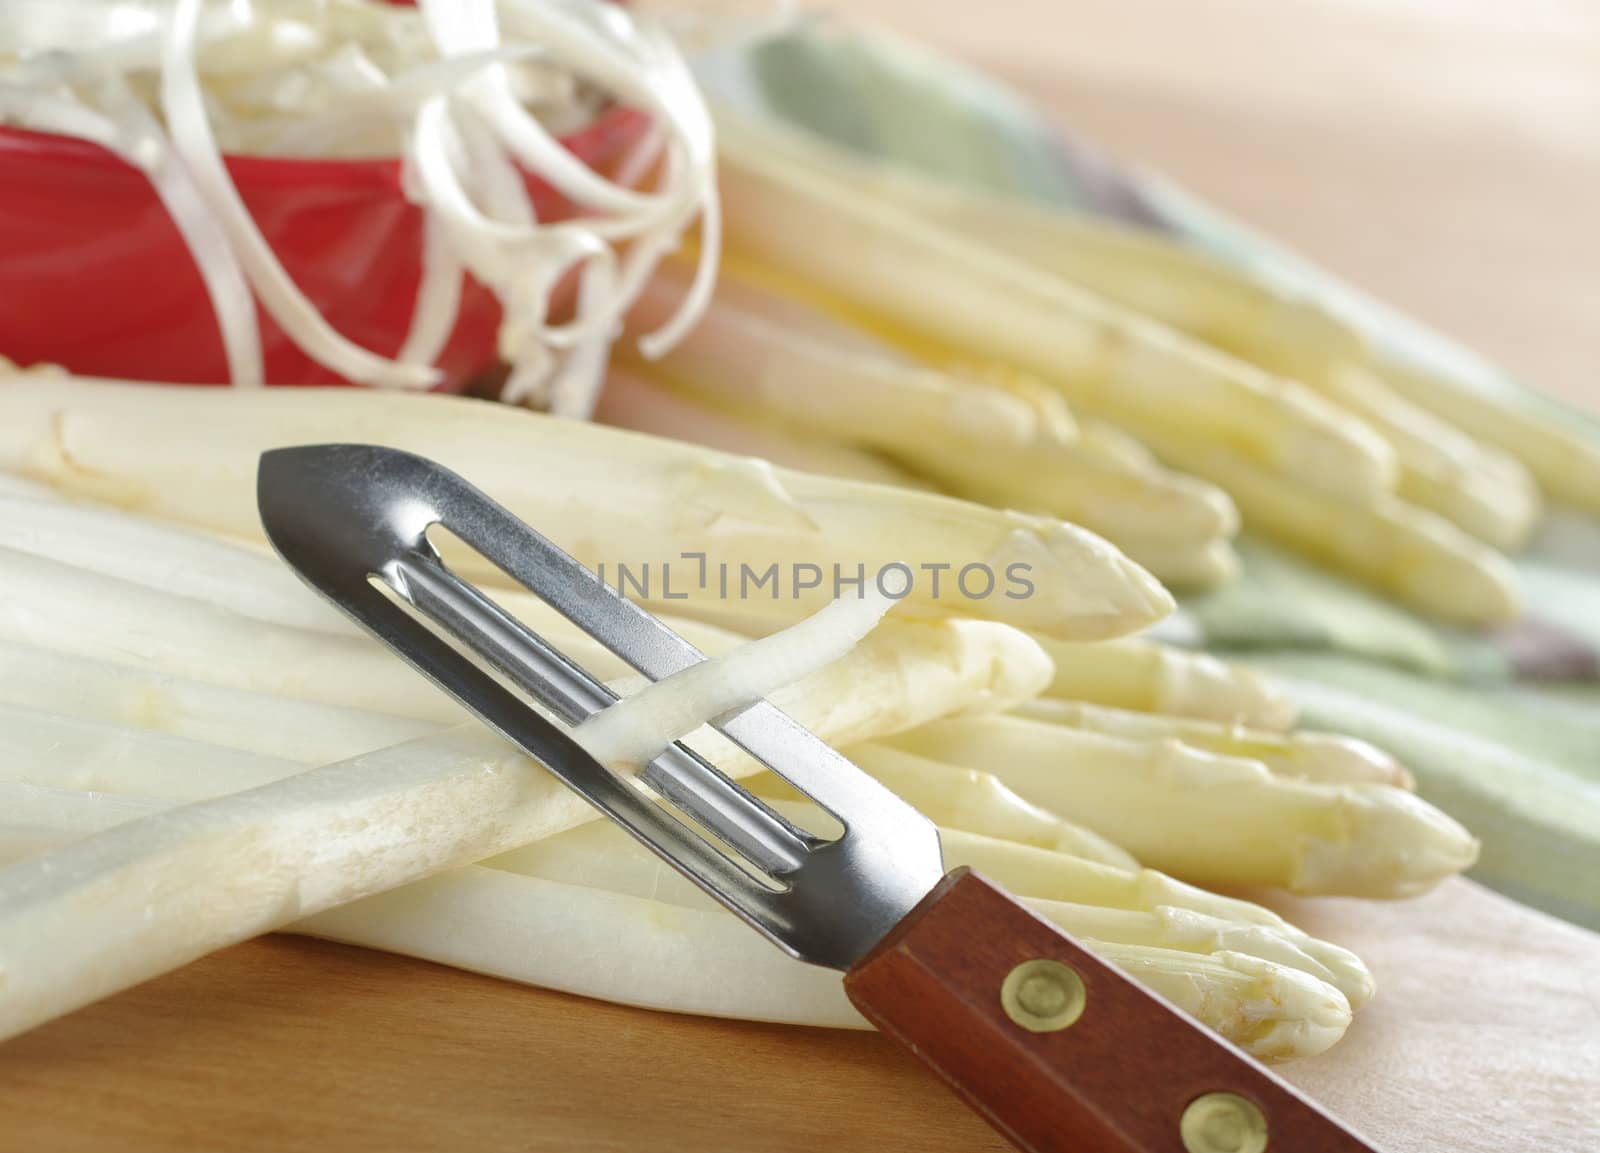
pixel 95 277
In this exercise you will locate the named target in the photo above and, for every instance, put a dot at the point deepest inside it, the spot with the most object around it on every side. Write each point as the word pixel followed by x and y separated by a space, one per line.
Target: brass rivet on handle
pixel 1223 1123
pixel 1043 995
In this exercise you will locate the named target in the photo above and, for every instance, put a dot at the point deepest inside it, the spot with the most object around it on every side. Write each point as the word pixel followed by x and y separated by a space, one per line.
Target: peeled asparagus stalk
pixel 952 663
pixel 933 285
pixel 52 751
pixel 600 855
pixel 1145 677
pixel 96 915
pixel 46 604
pixel 611 498
pixel 306 731
pixel 161 555
pixel 1324 757
pixel 1213 819
pixel 628 948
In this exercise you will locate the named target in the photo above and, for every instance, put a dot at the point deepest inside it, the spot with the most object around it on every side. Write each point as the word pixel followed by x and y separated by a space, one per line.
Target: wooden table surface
pixel 1444 154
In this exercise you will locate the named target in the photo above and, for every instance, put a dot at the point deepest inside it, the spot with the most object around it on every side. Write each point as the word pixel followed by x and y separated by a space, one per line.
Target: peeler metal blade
pixel 350 518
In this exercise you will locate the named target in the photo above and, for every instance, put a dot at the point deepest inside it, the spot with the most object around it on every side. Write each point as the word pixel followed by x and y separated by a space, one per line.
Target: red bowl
pixel 95 277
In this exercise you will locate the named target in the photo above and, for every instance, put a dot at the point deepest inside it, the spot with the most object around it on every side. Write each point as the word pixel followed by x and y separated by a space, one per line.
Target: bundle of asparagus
pixel 200 751
pixel 873 323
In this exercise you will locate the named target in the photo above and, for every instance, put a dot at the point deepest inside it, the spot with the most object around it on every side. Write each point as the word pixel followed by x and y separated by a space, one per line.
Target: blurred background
pixel 1443 154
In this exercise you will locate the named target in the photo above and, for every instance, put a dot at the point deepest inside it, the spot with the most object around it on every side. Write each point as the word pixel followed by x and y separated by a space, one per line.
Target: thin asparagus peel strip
pixel 935 287
pixel 1302 755
pixel 662 711
pixel 609 497
pixel 1213 819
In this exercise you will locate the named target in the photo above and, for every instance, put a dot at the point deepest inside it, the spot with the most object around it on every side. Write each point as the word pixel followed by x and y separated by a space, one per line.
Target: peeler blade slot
pixel 534 667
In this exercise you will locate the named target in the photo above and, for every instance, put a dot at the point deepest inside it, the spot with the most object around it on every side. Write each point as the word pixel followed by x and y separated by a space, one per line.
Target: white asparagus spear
pixel 1408 552
pixel 939 290
pixel 1480 488
pixel 1213 819
pixel 1564 461
pixel 1309 756
pixel 96 915
pixel 960 798
pixel 627 948
pixel 58 752
pixel 630 401
pixel 1153 678
pixel 602 855
pixel 956 663
pixel 231 574
pixel 1177 525
pixel 306 731
pixel 162 555
pixel 758 349
pixel 609 497
pixel 774 359
pixel 46 604
pixel 977 802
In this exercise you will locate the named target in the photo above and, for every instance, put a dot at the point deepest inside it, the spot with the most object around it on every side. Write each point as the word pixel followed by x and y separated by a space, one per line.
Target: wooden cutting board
pixel 1485 1038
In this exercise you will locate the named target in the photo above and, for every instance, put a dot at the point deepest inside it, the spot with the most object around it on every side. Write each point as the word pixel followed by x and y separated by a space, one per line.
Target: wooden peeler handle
pixel 1060 1051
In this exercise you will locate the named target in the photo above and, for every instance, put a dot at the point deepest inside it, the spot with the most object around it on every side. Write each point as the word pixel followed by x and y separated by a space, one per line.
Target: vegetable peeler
pixel 1055 1048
